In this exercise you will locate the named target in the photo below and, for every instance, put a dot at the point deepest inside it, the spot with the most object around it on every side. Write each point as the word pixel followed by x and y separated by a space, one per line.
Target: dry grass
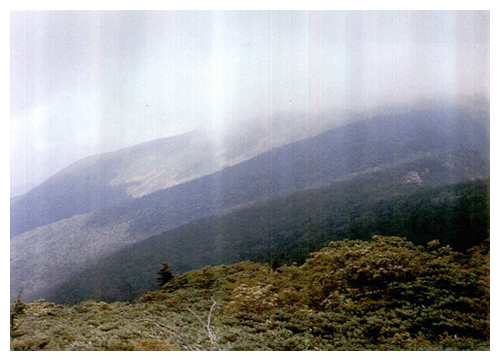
pixel 155 345
pixel 93 326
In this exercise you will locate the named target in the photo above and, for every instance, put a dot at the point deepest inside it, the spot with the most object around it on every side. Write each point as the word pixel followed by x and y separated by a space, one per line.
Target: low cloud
pixel 89 82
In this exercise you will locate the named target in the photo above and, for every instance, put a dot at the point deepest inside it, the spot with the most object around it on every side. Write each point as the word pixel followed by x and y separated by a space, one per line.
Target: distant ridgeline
pixel 102 228
pixel 287 229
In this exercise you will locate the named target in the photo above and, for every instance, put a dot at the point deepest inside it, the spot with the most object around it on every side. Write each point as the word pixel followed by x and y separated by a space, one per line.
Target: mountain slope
pixel 101 181
pixel 105 180
pixel 47 256
pixel 288 228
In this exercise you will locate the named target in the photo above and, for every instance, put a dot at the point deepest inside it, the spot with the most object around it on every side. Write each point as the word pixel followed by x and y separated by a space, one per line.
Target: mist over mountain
pixel 104 180
pixel 101 204
pixel 85 83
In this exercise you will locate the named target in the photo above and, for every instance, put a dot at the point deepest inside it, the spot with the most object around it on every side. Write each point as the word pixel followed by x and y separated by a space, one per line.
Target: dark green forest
pixel 286 230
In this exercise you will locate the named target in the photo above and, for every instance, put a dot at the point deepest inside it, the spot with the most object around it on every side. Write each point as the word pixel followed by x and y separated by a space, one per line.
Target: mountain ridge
pixel 104 180
pixel 335 155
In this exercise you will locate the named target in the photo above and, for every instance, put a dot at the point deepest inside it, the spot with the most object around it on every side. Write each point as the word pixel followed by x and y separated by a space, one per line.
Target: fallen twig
pixel 211 336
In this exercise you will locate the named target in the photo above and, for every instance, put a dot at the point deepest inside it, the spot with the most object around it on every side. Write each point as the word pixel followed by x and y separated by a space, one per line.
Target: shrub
pixel 414 289
pixel 385 294
pixel 257 299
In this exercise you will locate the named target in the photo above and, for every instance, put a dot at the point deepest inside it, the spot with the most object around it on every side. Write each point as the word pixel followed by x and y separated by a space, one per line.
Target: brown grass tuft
pixel 155 345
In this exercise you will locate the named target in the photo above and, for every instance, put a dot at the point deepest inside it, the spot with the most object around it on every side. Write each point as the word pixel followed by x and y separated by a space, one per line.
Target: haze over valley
pixel 83 214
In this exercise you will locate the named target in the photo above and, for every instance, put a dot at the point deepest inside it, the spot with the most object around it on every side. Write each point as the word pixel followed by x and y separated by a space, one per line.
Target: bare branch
pixel 171 330
pixel 207 324
pixel 176 333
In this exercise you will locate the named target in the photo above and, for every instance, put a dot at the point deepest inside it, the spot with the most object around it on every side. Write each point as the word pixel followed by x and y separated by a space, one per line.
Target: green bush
pixel 382 294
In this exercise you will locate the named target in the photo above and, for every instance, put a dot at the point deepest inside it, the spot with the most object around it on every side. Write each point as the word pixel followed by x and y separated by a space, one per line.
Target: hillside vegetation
pixel 432 146
pixel 287 229
pixel 382 294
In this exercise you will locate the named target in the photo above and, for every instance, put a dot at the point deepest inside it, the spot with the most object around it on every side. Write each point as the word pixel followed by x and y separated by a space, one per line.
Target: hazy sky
pixel 85 82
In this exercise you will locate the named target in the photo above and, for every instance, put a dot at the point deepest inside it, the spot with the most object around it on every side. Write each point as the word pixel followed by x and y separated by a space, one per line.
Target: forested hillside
pixel 285 230
pixel 432 146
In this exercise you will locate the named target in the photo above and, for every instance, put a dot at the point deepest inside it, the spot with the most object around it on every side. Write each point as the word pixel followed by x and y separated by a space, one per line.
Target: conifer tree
pixel 164 275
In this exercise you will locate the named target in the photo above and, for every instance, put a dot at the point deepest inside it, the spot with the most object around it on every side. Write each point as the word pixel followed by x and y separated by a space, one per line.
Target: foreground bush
pixel 383 294
pixel 393 291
